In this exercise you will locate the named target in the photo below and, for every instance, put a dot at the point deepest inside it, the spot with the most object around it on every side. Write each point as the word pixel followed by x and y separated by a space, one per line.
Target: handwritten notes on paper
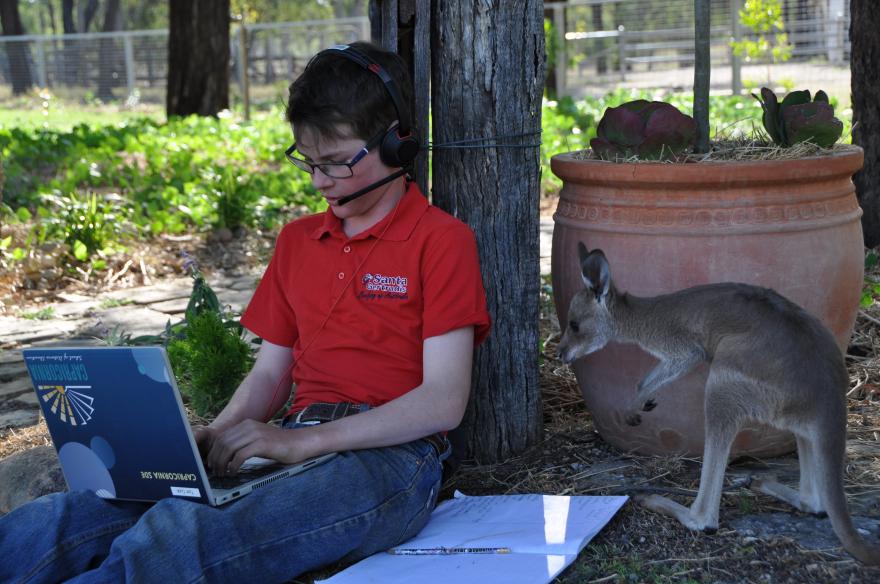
pixel 543 532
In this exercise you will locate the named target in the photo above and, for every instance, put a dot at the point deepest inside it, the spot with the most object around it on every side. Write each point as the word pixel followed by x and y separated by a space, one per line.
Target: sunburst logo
pixel 70 405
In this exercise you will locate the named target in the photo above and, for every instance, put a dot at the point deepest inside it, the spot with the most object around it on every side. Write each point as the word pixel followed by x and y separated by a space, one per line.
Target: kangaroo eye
pixel 573 325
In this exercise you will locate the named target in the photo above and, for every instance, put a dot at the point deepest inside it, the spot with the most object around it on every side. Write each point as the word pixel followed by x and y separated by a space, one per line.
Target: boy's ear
pixel 595 272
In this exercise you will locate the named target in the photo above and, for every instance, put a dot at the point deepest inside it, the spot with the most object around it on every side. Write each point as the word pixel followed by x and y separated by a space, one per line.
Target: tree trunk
pixel 198 57
pixel 550 44
pixel 601 60
pixel 87 13
pixel 68 54
pixel 864 23
pixel 488 73
pixel 17 52
pixel 109 51
pixel 702 67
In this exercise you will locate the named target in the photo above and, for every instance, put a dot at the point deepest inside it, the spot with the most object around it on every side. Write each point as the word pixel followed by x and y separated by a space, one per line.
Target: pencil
pixel 442 551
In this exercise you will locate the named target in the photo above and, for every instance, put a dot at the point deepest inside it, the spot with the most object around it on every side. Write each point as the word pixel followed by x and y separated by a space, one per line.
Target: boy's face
pixel 318 149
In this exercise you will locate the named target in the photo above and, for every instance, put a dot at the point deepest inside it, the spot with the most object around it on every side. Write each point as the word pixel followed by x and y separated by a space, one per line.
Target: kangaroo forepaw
pixel 649 405
pixel 633 419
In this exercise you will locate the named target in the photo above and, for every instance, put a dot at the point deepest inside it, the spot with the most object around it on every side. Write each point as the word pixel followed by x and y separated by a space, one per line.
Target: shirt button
pixel 347 249
pixel 340 275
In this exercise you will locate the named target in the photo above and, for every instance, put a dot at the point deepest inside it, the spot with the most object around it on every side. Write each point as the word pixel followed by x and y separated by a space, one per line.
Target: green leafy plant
pixel 764 19
pixel 47 313
pixel 85 222
pixel 208 353
pixel 797 119
pixel 234 200
pixel 651 130
pixel 871 288
pixel 210 361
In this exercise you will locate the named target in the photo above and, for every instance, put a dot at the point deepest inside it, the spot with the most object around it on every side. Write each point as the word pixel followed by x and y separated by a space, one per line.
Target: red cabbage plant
pixel 650 130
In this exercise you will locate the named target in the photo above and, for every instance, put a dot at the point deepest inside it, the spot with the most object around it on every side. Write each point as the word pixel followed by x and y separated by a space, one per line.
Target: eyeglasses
pixel 332 169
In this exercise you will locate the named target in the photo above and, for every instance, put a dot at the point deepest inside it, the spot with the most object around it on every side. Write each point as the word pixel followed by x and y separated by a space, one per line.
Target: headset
pixel 400 144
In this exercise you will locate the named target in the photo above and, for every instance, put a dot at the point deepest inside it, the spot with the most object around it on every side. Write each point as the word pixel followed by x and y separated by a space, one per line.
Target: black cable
pixel 467 143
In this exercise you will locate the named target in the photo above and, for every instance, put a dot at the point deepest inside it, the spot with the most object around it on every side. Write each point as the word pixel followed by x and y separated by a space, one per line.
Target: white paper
pixel 544 533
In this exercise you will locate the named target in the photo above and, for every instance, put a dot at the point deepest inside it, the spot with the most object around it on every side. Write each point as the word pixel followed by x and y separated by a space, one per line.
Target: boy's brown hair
pixel 334 94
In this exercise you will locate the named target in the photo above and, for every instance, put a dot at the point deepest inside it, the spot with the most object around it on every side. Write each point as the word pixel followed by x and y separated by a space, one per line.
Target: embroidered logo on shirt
pixel 381 286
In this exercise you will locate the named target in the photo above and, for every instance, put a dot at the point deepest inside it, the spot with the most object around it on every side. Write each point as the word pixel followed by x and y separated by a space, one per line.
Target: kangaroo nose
pixel 562 354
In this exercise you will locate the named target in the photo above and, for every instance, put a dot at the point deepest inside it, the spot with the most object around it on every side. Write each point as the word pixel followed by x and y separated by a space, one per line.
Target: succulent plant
pixel 798 119
pixel 651 130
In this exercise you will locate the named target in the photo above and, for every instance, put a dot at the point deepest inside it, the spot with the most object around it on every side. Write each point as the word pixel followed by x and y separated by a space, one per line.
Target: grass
pixel 47 313
pixel 42 109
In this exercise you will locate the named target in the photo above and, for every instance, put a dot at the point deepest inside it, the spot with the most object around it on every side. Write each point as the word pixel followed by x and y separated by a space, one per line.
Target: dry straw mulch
pixel 640 546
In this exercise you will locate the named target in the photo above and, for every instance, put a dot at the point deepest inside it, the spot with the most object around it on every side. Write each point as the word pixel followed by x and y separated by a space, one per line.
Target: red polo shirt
pixel 412 276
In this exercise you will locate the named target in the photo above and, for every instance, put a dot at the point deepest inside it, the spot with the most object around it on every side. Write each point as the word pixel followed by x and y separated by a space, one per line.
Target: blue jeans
pixel 354 505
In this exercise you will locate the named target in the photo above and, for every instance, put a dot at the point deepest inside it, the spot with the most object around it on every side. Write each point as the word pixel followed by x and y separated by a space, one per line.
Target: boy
pixel 373 308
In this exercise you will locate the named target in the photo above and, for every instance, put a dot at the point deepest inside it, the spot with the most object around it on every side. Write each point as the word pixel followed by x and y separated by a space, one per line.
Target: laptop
pixel 118 423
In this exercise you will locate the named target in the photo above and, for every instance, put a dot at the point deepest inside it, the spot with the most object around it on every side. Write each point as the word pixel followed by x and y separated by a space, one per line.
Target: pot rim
pixel 841 162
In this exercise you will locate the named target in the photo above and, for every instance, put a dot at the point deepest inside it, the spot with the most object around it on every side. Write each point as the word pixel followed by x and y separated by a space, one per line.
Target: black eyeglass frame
pixel 329 168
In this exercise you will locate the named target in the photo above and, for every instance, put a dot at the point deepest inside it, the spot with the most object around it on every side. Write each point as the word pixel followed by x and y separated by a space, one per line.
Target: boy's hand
pixel 204 437
pixel 231 447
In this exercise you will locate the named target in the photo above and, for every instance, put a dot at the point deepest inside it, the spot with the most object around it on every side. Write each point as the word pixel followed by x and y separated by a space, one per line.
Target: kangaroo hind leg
pixel 808 497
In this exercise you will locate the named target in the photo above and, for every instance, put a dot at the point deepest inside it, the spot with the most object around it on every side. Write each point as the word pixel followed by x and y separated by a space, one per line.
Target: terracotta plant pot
pixel 788 225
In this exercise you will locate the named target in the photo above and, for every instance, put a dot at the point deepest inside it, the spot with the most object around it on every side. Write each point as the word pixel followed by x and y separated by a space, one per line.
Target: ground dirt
pixel 572 459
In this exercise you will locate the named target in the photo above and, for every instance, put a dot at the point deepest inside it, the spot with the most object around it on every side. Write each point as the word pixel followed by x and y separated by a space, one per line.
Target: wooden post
pixel 702 66
pixel 411 37
pixel 422 87
pixel 735 61
pixel 128 50
pixel 488 71
pixel 389 24
pixel 561 58
pixel 41 64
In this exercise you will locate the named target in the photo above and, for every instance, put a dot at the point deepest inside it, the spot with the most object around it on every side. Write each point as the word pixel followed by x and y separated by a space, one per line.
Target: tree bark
pixel 198 57
pixel 109 51
pixel 68 55
pixel 488 71
pixel 87 13
pixel 17 52
pixel 865 54
pixel 601 60
pixel 67 16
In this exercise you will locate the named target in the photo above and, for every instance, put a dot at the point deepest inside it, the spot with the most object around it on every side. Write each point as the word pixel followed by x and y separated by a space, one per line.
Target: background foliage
pixel 91 186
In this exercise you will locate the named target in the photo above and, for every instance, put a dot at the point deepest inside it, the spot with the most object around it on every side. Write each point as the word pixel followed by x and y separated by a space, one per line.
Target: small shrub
pixel 207 351
pixel 209 361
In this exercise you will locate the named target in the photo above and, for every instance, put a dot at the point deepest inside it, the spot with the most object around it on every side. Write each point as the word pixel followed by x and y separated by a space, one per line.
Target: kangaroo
pixel 769 360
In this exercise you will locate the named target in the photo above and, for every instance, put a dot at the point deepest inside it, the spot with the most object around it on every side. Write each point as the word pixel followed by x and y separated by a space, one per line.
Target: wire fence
pixel 133 65
pixel 602 44
pixel 595 46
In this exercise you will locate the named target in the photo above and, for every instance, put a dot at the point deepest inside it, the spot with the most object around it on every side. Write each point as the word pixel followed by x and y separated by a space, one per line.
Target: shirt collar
pixel 410 209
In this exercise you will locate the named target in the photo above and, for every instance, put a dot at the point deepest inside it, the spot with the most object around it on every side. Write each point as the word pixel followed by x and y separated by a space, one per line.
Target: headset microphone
pixel 371 187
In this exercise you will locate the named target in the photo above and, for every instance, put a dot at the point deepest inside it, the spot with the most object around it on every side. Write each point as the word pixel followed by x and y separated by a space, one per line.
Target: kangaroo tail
pixel 834 500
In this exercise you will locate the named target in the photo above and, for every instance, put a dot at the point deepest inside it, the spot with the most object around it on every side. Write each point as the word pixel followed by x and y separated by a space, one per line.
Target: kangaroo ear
pixel 583 252
pixel 595 273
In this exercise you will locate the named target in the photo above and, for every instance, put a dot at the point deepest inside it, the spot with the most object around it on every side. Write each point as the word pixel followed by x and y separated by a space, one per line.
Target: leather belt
pixel 322 412
pixel 325 412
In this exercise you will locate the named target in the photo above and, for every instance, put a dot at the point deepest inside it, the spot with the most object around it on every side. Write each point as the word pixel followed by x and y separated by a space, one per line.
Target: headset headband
pixel 373 67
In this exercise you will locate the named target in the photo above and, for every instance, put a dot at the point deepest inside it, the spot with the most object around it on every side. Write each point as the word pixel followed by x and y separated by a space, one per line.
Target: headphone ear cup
pixel 398 152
